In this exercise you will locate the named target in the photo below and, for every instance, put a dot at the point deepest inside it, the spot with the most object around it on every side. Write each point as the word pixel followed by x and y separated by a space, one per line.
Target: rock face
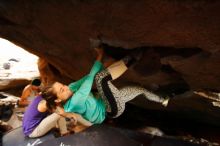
pixel 180 39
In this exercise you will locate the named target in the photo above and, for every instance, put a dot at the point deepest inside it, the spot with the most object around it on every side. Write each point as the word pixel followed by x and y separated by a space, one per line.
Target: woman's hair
pixel 50 97
pixel 36 82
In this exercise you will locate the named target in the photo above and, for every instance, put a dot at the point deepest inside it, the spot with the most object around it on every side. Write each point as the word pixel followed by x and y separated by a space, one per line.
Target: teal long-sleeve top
pixel 83 101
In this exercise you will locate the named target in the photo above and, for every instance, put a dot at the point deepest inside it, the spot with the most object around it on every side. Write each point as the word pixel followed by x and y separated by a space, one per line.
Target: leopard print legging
pixel 115 99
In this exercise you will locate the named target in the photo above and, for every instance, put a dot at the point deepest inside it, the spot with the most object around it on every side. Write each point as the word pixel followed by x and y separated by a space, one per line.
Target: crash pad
pixel 16 137
pixel 97 135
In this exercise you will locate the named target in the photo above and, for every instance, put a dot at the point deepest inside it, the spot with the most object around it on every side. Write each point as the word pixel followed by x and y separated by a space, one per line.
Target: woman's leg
pixel 48 123
pixel 103 82
pixel 102 79
pixel 62 125
pixel 115 99
pixel 117 69
pixel 109 93
pixel 130 92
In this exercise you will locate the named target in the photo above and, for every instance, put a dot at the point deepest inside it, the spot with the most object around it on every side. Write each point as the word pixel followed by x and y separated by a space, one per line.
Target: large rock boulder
pixel 180 39
pixel 187 34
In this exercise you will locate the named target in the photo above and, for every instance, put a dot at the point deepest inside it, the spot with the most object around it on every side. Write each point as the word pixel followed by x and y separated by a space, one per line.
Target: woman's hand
pixel 60 111
pixel 73 118
pixel 100 53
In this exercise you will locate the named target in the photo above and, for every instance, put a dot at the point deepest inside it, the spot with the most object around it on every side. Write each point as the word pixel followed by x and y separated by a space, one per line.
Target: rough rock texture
pixel 180 39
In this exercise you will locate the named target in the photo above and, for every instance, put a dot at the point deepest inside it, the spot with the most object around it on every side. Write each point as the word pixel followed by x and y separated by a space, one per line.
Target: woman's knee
pixel 97 77
pixel 102 78
pixel 101 74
